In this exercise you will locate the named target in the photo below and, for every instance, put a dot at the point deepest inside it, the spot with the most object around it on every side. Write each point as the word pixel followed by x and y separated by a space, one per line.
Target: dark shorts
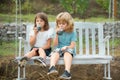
pixel 47 51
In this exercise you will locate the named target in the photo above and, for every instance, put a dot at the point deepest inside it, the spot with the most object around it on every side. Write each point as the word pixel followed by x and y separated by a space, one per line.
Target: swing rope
pixel 16 32
pixel 113 35
pixel 111 13
pixel 18 23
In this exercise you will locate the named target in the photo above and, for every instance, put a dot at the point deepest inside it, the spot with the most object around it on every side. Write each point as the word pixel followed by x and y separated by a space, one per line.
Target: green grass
pixel 7 18
pixel 7 48
pixel 115 42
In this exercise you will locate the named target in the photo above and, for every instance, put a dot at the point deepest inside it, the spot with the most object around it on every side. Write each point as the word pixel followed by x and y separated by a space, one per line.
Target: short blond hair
pixel 67 18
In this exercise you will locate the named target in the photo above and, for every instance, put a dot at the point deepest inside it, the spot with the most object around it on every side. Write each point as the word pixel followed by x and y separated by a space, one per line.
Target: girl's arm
pixel 33 37
pixel 32 40
pixel 48 44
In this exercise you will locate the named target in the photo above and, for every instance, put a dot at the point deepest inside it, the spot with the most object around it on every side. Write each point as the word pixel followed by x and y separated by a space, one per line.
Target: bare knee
pixel 31 53
pixel 55 55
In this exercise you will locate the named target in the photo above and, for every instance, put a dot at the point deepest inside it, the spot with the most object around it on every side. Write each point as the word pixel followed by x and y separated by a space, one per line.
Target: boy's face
pixel 40 21
pixel 62 24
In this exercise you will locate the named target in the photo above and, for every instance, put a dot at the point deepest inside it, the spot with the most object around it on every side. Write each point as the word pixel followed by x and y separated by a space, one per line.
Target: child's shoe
pixel 40 61
pixel 52 71
pixel 65 75
pixel 23 61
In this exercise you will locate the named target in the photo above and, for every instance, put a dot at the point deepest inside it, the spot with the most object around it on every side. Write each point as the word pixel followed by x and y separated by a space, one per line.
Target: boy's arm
pixel 72 45
pixel 55 41
pixel 73 42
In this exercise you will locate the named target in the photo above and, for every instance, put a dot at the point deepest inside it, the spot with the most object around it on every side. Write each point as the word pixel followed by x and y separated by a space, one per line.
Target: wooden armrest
pixel 22 39
pixel 106 38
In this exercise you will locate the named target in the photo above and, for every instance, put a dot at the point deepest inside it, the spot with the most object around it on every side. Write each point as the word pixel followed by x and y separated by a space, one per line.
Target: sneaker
pixel 52 71
pixel 65 75
pixel 23 61
pixel 40 61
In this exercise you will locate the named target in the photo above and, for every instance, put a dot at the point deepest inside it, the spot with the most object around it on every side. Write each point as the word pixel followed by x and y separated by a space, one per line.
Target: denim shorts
pixel 47 51
pixel 61 53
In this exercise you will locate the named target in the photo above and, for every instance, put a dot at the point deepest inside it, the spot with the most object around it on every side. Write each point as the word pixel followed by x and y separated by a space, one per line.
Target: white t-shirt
pixel 42 37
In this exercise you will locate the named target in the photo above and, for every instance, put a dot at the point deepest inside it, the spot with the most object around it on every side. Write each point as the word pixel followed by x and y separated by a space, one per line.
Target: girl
pixel 64 43
pixel 40 40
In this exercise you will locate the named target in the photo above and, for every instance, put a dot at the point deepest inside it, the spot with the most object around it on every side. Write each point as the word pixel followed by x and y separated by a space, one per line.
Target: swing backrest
pixel 90 38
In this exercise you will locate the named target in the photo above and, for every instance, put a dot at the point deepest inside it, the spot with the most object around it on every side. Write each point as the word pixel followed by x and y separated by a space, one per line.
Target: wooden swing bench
pixel 92 46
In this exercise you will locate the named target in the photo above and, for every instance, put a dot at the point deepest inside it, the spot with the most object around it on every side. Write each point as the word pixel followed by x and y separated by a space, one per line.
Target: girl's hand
pixel 35 49
pixel 35 30
pixel 64 48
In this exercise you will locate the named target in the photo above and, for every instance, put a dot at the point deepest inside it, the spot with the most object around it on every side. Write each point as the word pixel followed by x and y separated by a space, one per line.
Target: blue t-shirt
pixel 65 39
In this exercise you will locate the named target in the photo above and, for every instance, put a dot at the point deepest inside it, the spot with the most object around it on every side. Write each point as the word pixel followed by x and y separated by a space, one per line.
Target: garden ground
pixel 8 70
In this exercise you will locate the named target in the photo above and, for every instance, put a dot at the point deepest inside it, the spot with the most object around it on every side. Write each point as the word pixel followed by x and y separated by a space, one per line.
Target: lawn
pixel 30 18
pixel 7 48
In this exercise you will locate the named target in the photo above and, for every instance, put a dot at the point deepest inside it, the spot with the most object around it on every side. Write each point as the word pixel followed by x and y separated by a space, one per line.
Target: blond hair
pixel 67 18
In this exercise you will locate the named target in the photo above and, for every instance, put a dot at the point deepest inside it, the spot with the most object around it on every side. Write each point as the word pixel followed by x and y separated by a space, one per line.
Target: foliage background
pixel 79 8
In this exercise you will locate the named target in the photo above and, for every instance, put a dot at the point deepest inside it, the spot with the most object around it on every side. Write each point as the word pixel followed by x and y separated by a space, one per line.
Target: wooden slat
pixel 80 41
pixel 93 41
pixel 100 40
pixel 87 40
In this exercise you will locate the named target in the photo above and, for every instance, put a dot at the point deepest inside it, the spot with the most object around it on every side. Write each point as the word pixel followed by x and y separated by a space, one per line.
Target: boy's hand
pixel 58 29
pixel 64 48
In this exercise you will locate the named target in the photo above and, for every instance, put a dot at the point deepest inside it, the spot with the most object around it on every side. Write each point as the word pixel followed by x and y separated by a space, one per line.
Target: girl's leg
pixel 24 59
pixel 31 54
pixel 68 61
pixel 42 53
pixel 54 59
pixel 41 60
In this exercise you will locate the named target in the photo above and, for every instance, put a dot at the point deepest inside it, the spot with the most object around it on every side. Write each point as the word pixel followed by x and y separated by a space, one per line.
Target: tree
pixel 6 6
pixel 104 4
pixel 76 7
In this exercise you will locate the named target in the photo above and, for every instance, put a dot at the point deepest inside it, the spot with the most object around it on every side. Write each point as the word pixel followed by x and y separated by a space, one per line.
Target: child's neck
pixel 42 30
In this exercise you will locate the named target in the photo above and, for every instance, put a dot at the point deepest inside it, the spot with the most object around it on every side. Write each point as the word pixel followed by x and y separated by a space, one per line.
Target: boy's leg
pixel 68 62
pixel 54 59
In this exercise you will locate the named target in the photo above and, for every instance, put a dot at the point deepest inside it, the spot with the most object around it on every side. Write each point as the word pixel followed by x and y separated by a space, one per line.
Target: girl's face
pixel 40 21
pixel 62 24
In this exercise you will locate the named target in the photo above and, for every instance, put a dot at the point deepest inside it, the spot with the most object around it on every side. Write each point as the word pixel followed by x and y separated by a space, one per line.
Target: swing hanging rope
pixel 113 35
pixel 18 23
pixel 111 13
pixel 16 32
